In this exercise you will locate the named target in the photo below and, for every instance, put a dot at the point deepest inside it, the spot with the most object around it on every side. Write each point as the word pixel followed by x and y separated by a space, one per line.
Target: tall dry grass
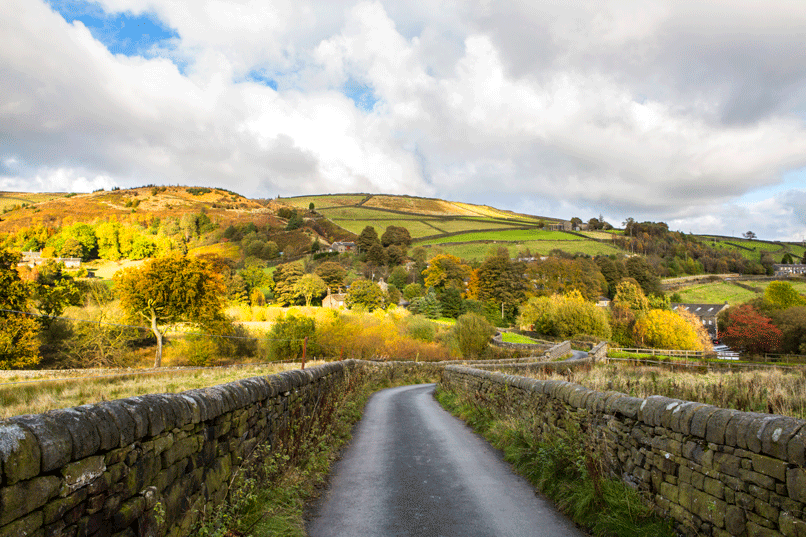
pixel 34 397
pixel 774 390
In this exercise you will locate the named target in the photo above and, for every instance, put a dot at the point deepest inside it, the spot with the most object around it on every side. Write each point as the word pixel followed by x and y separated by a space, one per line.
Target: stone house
pixel 334 301
pixel 342 247
pixel 785 271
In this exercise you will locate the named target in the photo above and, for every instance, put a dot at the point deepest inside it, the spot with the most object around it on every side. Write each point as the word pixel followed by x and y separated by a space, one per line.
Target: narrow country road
pixel 413 469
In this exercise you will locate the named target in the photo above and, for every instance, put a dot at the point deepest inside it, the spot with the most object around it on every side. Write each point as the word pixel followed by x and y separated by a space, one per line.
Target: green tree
pixel 169 290
pixel 395 255
pixel 792 324
pixel 376 255
pixel 287 338
pixel 473 334
pixel 446 271
pixel 559 276
pixel 311 286
pixel 399 277
pixel 295 222
pixel 54 290
pixel 18 331
pixel 501 281
pixel 412 291
pixel 332 273
pixel 285 284
pixel 644 273
pixel 311 207
pixel 396 235
pixel 427 305
pixel 781 295
pixel 452 303
pixel 367 239
pixel 365 294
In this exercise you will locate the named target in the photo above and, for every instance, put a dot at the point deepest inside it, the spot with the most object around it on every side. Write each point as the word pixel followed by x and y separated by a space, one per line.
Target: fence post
pixel 304 350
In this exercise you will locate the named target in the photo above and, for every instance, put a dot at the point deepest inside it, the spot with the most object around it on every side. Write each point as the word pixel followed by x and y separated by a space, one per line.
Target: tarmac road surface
pixel 413 469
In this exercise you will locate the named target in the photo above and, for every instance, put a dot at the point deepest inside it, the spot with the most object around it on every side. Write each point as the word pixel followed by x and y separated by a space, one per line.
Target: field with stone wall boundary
pixel 716 472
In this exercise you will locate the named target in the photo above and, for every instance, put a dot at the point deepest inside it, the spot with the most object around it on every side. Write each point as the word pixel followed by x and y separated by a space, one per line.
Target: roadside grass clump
pixel 268 493
pixel 564 465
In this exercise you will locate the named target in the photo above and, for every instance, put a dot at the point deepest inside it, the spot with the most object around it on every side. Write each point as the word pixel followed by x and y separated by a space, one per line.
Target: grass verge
pixel 268 493
pixel 566 467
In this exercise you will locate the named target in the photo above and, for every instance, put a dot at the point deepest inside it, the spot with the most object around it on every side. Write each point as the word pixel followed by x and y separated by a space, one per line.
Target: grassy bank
pixel 566 467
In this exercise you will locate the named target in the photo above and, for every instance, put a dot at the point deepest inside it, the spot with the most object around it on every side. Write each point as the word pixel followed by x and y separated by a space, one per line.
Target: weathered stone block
pixel 699 420
pixel 55 442
pixel 790 525
pixel 56 509
pixel 735 520
pixel 796 484
pixel 128 512
pixel 80 473
pixel 768 466
pixel 717 424
pixel 777 434
pixel 24 497
pixel 30 525
pixel 20 453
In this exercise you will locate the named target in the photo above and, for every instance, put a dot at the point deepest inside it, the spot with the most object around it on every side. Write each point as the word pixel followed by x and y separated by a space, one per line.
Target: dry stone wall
pixel 147 465
pixel 716 472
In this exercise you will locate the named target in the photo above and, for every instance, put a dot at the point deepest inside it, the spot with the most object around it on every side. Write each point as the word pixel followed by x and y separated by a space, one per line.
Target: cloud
pixel 657 110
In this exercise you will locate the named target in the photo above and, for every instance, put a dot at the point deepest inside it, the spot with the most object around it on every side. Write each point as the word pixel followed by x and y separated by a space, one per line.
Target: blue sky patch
pixel 259 76
pixel 122 33
pixel 361 94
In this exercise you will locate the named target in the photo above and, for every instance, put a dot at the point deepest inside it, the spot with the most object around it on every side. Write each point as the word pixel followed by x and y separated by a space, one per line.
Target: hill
pixel 214 220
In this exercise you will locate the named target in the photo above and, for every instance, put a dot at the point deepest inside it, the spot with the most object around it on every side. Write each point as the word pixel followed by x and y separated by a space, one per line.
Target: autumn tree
pixel 630 295
pixel 565 316
pixel 665 329
pixel 559 276
pixel 18 342
pixel 168 290
pixel 781 295
pixel 446 271
pixel 792 323
pixel 742 327
pixel 332 273
pixel 365 294
pixel 311 286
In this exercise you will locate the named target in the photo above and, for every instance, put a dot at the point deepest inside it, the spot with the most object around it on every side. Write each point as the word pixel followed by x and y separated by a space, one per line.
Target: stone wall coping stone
pixel 55 442
pixel 86 439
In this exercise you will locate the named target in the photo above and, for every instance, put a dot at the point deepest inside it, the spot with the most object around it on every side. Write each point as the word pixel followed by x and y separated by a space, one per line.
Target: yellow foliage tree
pixel 663 329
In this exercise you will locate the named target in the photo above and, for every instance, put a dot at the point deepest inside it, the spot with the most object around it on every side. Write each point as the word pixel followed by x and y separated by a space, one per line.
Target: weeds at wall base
pixel 566 469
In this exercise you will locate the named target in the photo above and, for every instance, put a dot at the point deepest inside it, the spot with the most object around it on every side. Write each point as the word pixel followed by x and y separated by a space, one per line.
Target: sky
pixel 682 111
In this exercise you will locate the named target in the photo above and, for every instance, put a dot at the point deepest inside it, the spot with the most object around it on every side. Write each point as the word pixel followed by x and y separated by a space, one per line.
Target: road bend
pixel 413 469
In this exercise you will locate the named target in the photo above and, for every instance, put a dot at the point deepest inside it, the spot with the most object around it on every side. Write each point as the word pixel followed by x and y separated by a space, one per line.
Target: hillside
pixel 465 230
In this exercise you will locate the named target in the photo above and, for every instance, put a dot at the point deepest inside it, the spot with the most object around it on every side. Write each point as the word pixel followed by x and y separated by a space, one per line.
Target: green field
pixel 453 226
pixel 511 235
pixel 776 249
pixel 480 250
pixel 416 228
pixel 720 292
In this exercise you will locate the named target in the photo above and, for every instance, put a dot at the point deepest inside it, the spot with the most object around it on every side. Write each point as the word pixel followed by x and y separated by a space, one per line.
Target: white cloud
pixel 654 109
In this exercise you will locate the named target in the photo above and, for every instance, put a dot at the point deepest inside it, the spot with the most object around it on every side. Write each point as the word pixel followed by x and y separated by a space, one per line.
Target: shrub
pixel 473 334
pixel 287 337
pixel 418 327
